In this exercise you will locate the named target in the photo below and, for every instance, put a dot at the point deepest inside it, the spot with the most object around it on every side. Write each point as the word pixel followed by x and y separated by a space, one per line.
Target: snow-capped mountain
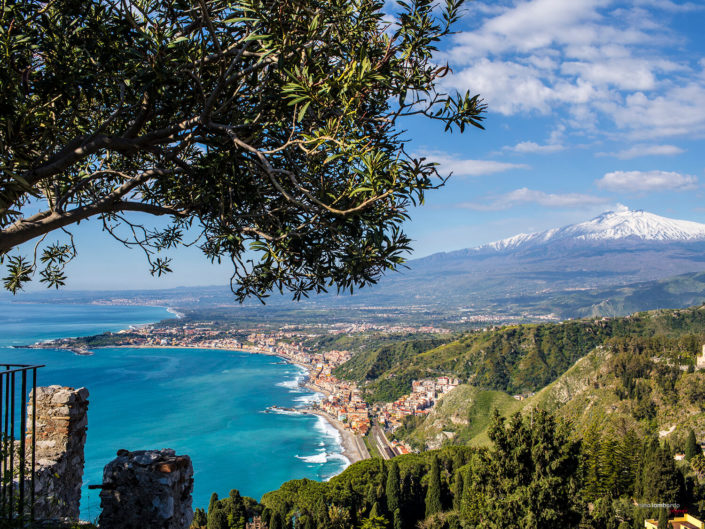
pixel 624 224
pixel 616 248
pixel 575 270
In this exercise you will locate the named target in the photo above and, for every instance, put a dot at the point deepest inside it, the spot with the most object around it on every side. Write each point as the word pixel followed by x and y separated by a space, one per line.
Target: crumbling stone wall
pixel 147 489
pixel 61 436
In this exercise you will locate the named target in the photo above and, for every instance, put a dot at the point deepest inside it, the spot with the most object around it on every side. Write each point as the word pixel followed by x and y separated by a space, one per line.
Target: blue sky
pixel 593 104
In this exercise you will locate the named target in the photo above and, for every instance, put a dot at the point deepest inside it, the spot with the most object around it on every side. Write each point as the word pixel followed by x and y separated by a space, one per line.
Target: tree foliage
pixel 267 130
pixel 434 502
pixel 530 480
pixel 393 489
pixel 533 476
pixel 692 448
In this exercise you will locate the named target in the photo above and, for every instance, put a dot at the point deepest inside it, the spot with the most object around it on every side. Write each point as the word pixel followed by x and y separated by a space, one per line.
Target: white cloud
pixel 510 87
pixel 640 150
pixel 677 112
pixel 532 196
pixel 554 143
pixel 535 148
pixel 606 65
pixel 643 181
pixel 668 5
pixel 469 167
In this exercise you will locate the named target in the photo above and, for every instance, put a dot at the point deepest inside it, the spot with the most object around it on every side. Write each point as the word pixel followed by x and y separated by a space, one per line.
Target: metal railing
pixel 17 382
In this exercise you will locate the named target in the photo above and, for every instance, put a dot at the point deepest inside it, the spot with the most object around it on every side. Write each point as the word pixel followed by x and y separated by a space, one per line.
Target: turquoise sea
pixel 208 404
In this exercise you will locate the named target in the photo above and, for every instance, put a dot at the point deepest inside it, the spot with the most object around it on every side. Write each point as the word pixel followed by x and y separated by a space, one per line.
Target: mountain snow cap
pixel 622 223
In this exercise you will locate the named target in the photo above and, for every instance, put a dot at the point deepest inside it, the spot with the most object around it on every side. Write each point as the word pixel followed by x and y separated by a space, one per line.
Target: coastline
pixel 352 445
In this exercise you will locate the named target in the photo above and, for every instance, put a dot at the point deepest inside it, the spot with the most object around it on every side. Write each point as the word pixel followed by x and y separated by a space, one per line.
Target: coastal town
pixel 343 402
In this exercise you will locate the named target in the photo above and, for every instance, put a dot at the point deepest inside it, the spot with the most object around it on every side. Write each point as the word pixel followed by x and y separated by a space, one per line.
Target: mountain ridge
pixel 620 225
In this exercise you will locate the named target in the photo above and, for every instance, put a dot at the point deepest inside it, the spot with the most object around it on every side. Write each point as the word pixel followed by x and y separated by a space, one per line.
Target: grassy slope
pixel 460 417
pixel 586 394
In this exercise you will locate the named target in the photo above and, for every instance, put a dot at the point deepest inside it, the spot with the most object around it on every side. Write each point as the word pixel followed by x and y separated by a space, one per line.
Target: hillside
pixel 611 265
pixel 514 359
pixel 645 384
pixel 631 384
pixel 460 417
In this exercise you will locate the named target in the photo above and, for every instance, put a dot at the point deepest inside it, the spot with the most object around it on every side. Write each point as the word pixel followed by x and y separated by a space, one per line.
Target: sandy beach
pixel 353 446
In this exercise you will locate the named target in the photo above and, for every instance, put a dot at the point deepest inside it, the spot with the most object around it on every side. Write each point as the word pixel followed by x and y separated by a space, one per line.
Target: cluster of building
pixel 343 399
pixel 424 395
pixel 506 318
pixel 352 328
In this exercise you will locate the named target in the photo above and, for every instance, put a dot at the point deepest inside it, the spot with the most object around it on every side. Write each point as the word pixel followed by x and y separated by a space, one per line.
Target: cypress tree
pixel 213 502
pixel 353 504
pixel 393 488
pixel 322 518
pixel 398 524
pixel 692 448
pixel 457 490
pixel 458 460
pixel 433 493
pixel 382 472
pixel 371 496
pixel 375 511
pixel 381 500
pixel 199 518
pixel 660 479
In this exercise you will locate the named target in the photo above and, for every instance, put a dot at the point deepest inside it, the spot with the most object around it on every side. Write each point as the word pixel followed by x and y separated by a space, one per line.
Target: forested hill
pixel 517 358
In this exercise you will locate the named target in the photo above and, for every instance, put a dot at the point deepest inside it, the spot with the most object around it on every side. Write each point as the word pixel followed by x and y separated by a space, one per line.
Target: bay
pixel 209 404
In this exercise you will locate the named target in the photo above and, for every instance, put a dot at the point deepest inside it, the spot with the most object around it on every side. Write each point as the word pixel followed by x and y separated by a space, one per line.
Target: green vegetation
pixel 692 448
pixel 375 344
pixel 518 358
pixel 643 384
pixel 232 512
pixel 646 385
pixel 462 417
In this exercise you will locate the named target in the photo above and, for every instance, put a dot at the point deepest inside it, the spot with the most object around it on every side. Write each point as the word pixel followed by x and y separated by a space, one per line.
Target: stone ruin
pixel 142 489
pixel 147 488
pixel 62 420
